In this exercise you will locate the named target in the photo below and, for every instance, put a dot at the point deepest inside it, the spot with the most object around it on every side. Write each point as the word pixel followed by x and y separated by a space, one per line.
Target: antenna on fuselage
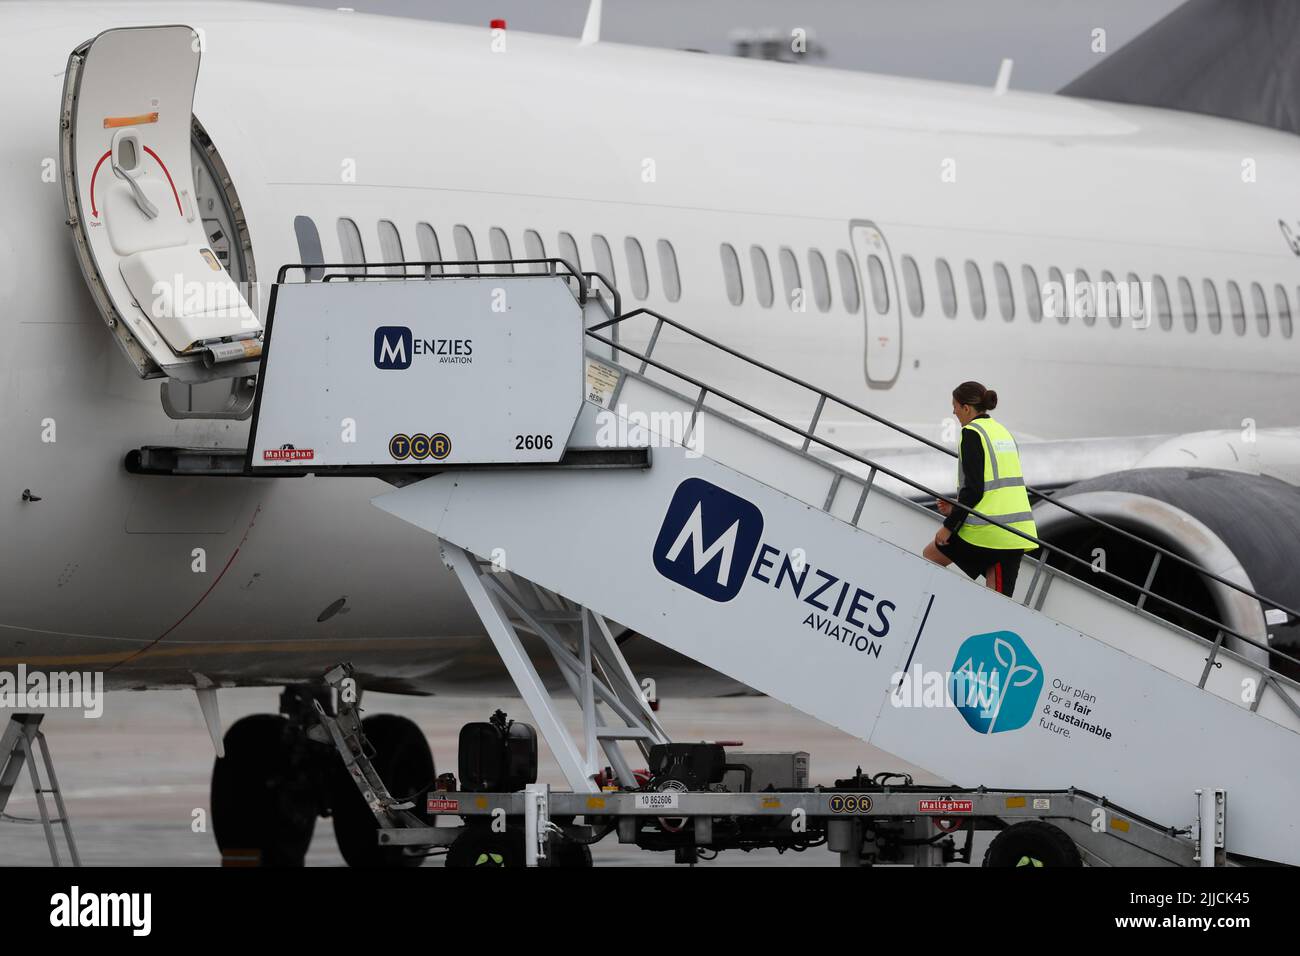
pixel 1004 76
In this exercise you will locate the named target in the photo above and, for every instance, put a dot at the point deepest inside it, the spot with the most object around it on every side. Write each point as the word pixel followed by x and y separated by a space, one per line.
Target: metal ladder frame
pixel 18 745
pixel 588 657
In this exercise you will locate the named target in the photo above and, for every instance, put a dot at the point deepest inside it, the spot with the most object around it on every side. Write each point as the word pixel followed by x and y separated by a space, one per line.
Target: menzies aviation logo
pixel 708 539
pixel 396 348
pixel 996 682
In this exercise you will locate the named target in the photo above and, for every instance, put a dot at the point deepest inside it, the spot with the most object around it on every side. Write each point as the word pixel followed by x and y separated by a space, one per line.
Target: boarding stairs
pixel 724 527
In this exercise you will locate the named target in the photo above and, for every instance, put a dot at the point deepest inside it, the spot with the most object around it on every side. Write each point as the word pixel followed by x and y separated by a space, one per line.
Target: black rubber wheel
pixel 566 853
pixel 263 811
pixel 479 846
pixel 1032 844
pixel 405 764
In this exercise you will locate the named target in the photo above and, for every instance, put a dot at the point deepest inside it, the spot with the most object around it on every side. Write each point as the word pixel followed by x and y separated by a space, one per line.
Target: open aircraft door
pixel 128 184
pixel 881 307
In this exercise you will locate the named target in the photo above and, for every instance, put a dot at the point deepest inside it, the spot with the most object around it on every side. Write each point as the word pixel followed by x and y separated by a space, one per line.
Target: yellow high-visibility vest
pixel 1005 498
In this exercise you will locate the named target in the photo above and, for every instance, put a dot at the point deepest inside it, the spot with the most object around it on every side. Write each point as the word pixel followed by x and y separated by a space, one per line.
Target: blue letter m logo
pixel 393 347
pixel 708 539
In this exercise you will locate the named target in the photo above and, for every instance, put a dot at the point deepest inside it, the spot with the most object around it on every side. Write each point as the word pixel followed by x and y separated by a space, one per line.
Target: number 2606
pixel 533 442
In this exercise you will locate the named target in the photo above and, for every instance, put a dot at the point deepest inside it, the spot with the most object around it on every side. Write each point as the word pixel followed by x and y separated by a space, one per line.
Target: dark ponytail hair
pixel 976 396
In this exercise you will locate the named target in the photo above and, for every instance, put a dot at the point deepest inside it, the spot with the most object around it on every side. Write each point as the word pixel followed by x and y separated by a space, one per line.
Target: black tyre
pixel 566 853
pixel 479 846
pixel 405 764
pixel 1033 844
pixel 263 806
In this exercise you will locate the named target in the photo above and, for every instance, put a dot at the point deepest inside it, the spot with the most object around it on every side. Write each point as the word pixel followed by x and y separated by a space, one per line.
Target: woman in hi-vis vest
pixel 991 483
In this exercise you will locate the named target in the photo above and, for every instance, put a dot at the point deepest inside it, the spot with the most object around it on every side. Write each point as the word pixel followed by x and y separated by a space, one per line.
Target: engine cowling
pixel 1244 528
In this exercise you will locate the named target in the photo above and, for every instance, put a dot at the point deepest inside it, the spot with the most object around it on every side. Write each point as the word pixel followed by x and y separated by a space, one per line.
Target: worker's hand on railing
pixel 944 507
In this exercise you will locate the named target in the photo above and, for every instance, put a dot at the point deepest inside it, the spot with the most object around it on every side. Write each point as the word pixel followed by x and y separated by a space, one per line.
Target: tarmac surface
pixel 136 779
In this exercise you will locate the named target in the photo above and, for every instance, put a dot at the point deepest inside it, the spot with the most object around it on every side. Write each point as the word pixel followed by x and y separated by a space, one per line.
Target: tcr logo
pixel 708 539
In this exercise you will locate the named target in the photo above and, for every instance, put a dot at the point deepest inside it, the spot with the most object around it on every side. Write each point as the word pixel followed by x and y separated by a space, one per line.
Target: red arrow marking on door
pixel 94 210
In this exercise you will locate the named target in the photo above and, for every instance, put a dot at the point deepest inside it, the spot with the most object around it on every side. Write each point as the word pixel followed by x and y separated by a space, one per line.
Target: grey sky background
pixel 959 40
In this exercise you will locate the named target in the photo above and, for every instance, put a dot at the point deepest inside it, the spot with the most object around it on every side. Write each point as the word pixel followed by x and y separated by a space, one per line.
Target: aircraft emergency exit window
pixel 1238 308
pixel 1213 317
pixel 762 276
pixel 569 251
pixel 1261 308
pixel 1033 293
pixel 1057 281
pixel 1109 297
pixel 849 292
pixel 465 248
pixel 912 285
pixel 1002 280
pixel 947 288
pixel 821 280
pixel 430 250
pixel 309 247
pixel 604 258
pixel 1164 311
pixel 790 277
pixel 534 248
pixel 499 244
pixel 1283 311
pixel 731 273
pixel 390 246
pixel 1188 303
pixel 975 288
pixel 879 285
pixel 350 244
pixel 636 268
pixel 668 274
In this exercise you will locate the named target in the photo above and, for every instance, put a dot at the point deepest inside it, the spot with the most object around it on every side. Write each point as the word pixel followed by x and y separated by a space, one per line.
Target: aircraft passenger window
pixel 762 276
pixel 309 247
pixel 1188 302
pixel 636 268
pixel 848 281
pixel 569 251
pixel 534 248
pixel 879 287
pixel 390 246
pixel 1085 298
pixel 1283 311
pixel 668 273
pixel 1033 293
pixel 1056 301
pixel 465 248
pixel 1108 298
pixel 604 258
pixel 912 284
pixel 731 273
pixel 1261 308
pixel 790 276
pixel 430 251
pixel 1164 311
pixel 975 288
pixel 1002 280
pixel 350 244
pixel 1213 317
pixel 1238 308
pixel 821 280
pixel 1136 308
pixel 947 288
pixel 499 244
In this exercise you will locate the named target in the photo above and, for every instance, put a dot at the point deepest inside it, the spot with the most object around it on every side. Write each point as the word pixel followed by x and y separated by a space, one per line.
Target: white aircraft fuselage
pixel 334 115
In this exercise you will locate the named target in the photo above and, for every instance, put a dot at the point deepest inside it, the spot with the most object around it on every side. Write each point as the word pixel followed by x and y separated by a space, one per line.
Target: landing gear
pixel 263 798
pixel 1033 843
pixel 404 761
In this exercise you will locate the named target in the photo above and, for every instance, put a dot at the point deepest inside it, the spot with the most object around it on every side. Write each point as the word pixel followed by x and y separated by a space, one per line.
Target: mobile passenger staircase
pixel 579 469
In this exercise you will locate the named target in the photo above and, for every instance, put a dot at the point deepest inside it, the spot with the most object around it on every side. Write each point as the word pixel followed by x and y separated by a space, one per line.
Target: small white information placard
pixel 411 374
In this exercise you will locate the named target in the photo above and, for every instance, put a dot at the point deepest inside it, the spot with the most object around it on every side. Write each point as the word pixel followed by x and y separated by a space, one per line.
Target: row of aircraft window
pixel 1063 299
pixel 466 248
